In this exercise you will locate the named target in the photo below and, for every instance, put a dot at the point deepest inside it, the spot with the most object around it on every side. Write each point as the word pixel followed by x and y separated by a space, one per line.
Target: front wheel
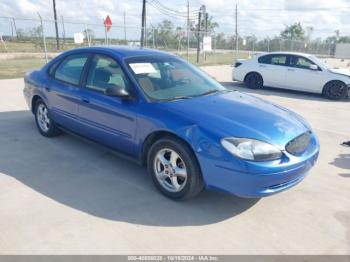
pixel 335 90
pixel 254 81
pixel 174 169
pixel 45 124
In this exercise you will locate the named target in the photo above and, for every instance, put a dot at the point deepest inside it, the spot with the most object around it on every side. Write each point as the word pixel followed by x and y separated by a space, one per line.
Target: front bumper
pixel 258 179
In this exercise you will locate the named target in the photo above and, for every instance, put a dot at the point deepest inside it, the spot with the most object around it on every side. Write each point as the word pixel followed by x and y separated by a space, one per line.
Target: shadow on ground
pixel 270 91
pixel 343 162
pixel 91 179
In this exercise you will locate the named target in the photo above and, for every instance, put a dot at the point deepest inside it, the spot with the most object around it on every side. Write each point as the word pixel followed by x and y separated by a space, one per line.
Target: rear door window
pixel 279 60
pixel 70 69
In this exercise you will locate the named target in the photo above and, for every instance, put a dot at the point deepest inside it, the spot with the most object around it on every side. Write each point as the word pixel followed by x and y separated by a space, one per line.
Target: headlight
pixel 251 149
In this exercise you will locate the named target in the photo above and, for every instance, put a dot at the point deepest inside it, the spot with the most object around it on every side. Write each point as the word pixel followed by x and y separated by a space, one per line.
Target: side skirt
pixel 102 146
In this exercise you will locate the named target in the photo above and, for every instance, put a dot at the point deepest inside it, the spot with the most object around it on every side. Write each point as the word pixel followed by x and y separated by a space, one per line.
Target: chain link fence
pixel 35 39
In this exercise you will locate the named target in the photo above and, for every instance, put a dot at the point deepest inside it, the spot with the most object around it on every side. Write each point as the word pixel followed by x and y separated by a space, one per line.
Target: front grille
pixel 299 144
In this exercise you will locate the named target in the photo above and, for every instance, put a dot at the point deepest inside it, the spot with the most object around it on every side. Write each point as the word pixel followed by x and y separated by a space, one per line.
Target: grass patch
pixel 15 68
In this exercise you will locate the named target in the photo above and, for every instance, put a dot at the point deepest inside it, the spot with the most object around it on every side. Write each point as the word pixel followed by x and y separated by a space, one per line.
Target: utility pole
pixel 143 23
pixel 188 29
pixel 124 27
pixel 236 32
pixel 56 27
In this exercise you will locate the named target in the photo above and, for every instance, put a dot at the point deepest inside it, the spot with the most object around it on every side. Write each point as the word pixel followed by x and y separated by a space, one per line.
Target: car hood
pixel 340 71
pixel 241 115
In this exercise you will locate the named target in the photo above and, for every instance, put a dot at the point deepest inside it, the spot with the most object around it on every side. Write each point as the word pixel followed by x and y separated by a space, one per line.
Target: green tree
pixel 211 25
pixel 166 34
pixel 344 39
pixel 293 32
pixel 221 42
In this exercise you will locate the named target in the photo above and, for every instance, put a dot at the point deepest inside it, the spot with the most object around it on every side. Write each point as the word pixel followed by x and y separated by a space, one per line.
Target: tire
pixel 254 81
pixel 335 90
pixel 45 124
pixel 174 169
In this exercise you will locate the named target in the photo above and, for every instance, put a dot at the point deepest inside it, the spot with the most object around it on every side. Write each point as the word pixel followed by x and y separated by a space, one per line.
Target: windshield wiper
pixel 203 94
pixel 177 98
pixel 213 92
pixel 210 92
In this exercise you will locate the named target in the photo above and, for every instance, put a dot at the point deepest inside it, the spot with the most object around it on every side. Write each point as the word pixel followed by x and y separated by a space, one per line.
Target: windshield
pixel 169 78
pixel 319 62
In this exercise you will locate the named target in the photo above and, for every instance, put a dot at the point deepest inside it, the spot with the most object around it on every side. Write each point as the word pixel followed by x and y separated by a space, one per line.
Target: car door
pixel 301 77
pixel 107 119
pixel 62 91
pixel 273 69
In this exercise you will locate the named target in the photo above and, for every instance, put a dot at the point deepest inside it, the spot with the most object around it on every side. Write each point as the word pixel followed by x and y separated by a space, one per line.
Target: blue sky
pixel 259 17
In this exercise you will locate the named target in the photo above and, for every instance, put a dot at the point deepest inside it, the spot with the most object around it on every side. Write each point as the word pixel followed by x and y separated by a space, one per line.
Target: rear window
pixel 53 67
pixel 71 68
pixel 266 59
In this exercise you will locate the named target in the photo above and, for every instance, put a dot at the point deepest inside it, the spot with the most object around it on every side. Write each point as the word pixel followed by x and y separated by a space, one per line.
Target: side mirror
pixel 117 91
pixel 313 67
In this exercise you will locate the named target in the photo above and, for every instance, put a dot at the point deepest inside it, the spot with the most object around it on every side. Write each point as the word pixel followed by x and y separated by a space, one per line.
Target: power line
pixel 170 12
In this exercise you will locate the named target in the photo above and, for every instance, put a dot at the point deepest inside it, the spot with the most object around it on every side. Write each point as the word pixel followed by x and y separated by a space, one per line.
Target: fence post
pixel 3 42
pixel 124 16
pixel 63 30
pixel 280 41
pixel 11 28
pixel 87 35
pixel 14 24
pixel 43 34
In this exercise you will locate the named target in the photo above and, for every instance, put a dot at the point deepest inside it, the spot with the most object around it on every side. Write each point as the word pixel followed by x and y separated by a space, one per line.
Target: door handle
pixel 262 66
pixel 290 69
pixel 85 100
pixel 48 89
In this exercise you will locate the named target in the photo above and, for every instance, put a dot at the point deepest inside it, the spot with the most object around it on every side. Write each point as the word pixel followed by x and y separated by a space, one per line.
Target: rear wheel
pixel 254 81
pixel 43 120
pixel 335 90
pixel 174 169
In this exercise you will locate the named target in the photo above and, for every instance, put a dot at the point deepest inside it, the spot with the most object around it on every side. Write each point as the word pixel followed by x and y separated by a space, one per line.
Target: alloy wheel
pixel 43 118
pixel 170 170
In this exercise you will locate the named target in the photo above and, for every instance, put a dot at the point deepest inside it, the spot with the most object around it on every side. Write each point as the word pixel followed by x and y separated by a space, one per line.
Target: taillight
pixel 237 64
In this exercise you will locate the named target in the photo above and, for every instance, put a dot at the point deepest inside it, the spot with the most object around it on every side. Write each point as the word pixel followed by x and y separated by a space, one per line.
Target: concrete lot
pixel 64 195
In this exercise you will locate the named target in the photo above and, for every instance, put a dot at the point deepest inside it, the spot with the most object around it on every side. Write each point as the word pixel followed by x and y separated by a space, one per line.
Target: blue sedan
pixel 190 132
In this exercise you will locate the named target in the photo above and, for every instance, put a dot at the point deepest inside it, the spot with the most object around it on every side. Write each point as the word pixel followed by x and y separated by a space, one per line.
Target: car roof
pixel 287 53
pixel 123 51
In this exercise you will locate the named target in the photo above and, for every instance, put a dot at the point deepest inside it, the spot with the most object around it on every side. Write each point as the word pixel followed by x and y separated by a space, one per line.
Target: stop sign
pixel 108 23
